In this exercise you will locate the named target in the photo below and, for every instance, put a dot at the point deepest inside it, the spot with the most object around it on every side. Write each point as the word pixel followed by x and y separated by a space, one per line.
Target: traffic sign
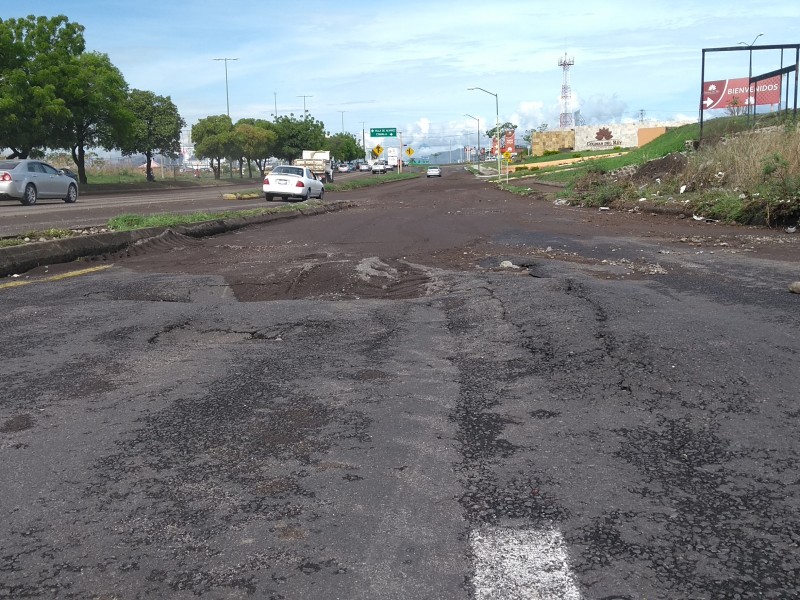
pixel 383 132
pixel 410 151
pixel 378 149
pixel 506 154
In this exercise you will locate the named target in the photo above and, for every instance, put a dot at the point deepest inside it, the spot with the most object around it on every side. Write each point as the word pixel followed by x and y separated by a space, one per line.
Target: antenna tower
pixel 566 122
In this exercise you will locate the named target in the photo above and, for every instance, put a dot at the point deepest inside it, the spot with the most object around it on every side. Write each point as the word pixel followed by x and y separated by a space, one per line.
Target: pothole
pixel 372 278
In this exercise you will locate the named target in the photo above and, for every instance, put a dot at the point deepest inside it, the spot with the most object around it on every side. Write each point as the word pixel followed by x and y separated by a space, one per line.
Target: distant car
pixel 69 173
pixel 343 168
pixel 378 166
pixel 433 171
pixel 287 181
pixel 364 167
pixel 28 180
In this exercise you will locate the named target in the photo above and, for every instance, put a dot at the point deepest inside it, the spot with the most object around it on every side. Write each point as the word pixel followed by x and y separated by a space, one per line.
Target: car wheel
pixel 269 197
pixel 72 194
pixel 30 196
pixel 307 195
pixel 321 193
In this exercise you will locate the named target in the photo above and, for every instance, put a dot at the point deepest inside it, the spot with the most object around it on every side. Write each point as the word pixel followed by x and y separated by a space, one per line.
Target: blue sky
pixel 408 64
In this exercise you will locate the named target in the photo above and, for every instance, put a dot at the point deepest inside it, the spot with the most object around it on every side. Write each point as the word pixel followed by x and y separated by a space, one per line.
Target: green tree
pixel 96 95
pixel 491 133
pixel 296 135
pixel 34 52
pixel 156 126
pixel 344 147
pixel 256 139
pixel 213 138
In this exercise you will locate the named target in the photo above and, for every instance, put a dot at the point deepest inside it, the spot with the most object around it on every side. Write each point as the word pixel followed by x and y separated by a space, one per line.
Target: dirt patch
pixel 667 167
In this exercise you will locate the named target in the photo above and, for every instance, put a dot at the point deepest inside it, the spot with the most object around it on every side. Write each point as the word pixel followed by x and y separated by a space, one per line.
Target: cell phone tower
pixel 565 121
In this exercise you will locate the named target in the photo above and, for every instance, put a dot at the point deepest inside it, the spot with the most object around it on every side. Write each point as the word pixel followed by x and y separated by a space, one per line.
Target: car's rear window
pixel 289 171
pixel 7 165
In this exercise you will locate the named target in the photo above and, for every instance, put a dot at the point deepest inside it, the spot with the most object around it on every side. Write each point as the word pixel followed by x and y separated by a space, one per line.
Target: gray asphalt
pixel 160 437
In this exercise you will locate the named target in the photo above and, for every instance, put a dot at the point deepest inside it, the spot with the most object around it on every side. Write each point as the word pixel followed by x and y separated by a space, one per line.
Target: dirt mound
pixel 666 167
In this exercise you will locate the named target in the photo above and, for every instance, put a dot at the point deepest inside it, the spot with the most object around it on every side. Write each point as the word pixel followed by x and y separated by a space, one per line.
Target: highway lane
pixel 95 209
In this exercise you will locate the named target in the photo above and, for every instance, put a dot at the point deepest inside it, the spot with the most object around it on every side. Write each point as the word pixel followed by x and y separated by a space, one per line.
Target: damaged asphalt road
pixel 441 392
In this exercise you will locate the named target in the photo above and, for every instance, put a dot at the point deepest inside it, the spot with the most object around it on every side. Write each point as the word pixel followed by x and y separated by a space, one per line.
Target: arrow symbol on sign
pixel 708 102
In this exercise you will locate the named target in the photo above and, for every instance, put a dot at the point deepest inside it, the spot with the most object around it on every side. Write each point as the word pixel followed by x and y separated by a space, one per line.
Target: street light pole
pixel 342 111
pixel 750 75
pixel 477 139
pixel 304 104
pixel 497 125
pixel 227 99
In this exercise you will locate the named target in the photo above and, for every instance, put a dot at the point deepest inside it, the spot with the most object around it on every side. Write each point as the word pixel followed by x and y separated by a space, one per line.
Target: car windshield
pixel 288 171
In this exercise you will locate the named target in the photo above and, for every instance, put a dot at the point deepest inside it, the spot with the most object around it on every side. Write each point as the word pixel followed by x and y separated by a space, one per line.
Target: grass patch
pixel 355 184
pixel 132 221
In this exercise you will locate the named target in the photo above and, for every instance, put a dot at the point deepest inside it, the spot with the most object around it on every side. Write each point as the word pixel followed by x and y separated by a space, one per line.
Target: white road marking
pixel 513 564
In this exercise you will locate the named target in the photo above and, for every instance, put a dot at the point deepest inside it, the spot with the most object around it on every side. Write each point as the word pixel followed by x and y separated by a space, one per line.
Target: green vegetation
pixel 355 184
pixel 739 174
pixel 131 222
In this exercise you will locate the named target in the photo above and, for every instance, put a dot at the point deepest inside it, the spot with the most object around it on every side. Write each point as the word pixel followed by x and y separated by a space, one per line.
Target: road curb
pixel 19 259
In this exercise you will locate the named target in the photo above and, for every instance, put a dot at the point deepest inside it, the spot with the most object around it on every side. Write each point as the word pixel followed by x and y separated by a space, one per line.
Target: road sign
pixel 410 151
pixel 383 132
pixel 378 149
pixel 506 154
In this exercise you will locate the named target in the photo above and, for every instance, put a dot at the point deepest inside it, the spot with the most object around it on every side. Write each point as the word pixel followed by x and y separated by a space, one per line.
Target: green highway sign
pixel 383 132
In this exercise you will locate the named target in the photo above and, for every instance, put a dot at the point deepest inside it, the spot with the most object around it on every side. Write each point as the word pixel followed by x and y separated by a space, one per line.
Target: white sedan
pixel 292 182
pixel 433 171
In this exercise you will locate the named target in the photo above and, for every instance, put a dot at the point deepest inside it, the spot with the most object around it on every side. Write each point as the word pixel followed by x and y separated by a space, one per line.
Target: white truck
pixel 319 161
pixel 392 160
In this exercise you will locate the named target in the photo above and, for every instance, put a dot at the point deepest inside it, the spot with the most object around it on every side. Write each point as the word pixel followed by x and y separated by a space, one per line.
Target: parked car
pixel 69 173
pixel 28 180
pixel 288 181
pixel 378 166
pixel 433 171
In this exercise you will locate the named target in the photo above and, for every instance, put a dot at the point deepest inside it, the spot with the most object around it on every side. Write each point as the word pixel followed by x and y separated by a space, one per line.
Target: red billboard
pixel 509 141
pixel 720 94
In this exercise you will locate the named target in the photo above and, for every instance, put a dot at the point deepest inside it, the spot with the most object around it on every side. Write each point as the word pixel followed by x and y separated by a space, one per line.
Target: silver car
pixel 28 180
pixel 288 181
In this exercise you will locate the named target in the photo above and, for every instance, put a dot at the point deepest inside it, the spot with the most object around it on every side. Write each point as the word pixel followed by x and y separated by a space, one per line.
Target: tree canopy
pixel 156 126
pixel 213 138
pixel 296 135
pixel 344 146
pixel 491 133
pixel 34 52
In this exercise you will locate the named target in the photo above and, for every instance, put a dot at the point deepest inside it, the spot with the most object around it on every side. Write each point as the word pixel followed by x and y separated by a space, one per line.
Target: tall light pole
pixel 364 139
pixel 342 111
pixel 750 75
pixel 304 103
pixel 477 139
pixel 227 99
pixel 276 106
pixel 497 125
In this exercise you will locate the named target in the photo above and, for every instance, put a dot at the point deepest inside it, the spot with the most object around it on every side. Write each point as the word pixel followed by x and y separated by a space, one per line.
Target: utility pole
pixel 342 111
pixel 364 139
pixel 227 100
pixel 304 103
pixel 275 116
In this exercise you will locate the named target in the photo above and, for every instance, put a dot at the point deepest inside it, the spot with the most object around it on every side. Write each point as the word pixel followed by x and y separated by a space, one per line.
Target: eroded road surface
pixel 444 391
